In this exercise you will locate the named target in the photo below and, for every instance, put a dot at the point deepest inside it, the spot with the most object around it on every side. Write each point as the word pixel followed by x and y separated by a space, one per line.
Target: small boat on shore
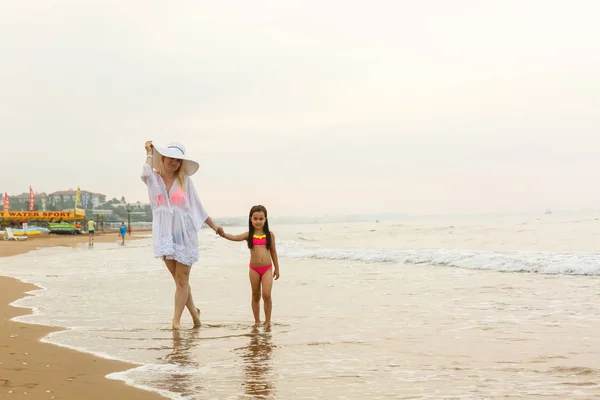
pixel 62 228
pixel 31 231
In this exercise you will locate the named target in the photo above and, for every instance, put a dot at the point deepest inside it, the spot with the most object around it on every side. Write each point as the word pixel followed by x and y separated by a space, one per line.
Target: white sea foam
pixel 507 261
pixel 125 377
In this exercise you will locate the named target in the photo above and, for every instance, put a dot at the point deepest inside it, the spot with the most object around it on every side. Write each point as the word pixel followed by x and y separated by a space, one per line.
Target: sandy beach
pixel 31 369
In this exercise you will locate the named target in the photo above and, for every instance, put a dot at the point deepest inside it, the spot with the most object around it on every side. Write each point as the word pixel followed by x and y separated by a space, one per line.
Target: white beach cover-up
pixel 177 217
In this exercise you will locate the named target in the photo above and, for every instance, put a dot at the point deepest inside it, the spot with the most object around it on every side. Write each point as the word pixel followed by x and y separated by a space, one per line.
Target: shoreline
pixel 33 369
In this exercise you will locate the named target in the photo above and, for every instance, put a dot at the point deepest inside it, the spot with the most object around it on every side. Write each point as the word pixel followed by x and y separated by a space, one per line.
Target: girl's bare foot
pixel 196 318
pixel 176 324
pixel 257 323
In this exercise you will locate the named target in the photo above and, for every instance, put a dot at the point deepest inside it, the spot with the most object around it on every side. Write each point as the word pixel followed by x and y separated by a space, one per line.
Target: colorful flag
pixel 6 201
pixel 43 202
pixel 31 199
pixel 77 197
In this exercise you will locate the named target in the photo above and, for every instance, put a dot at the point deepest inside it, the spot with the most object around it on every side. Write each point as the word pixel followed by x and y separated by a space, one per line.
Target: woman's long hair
pixel 180 173
pixel 254 209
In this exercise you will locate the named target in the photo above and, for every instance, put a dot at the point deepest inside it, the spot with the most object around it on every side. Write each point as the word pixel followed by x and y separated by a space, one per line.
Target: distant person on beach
pixel 177 217
pixel 264 264
pixel 91 230
pixel 123 231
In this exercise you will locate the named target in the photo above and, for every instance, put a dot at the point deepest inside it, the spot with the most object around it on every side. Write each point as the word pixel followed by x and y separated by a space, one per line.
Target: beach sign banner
pixel 42 215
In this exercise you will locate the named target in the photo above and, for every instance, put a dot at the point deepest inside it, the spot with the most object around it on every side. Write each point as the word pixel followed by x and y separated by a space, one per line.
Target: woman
pixel 177 217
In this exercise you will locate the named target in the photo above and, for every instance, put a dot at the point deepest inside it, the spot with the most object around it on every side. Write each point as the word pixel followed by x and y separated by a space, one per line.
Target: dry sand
pixel 30 369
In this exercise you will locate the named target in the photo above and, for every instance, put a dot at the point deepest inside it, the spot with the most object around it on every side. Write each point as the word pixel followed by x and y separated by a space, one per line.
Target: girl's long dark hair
pixel 254 209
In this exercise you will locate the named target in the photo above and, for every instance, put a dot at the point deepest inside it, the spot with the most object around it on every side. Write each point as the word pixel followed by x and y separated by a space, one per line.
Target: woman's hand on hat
pixel 148 146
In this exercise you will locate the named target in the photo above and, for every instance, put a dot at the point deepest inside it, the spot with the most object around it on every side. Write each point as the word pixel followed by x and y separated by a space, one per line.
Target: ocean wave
pixel 506 261
pixel 306 239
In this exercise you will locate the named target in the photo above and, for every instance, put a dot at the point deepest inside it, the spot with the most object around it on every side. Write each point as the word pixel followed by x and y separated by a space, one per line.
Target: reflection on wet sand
pixel 258 380
pixel 181 355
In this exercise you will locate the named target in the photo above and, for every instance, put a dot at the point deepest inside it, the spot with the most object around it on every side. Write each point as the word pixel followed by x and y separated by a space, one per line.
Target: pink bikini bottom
pixel 261 270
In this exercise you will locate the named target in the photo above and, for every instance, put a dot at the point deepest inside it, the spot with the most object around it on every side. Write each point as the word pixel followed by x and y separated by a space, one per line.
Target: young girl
pixel 264 264
pixel 177 217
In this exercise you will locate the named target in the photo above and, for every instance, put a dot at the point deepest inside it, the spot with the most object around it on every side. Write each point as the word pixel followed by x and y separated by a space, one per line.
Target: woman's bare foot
pixel 257 323
pixel 196 319
pixel 176 324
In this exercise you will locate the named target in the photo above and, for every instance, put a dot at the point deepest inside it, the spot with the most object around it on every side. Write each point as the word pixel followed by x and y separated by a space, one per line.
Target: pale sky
pixel 309 107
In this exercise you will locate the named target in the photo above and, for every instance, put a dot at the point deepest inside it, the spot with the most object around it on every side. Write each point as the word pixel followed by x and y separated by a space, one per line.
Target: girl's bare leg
pixel 255 284
pixel 194 312
pixel 267 286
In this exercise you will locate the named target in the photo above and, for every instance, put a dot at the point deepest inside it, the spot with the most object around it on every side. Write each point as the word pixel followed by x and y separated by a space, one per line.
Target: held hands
pixel 219 231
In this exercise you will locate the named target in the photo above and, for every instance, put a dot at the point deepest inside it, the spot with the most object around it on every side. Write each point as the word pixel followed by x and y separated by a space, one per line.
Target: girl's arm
pixel 274 257
pixel 236 238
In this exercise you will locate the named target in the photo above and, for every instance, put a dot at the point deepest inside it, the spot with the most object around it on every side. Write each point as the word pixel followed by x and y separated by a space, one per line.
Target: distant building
pixel 21 201
pixel 25 196
pixel 141 205
pixel 69 195
pixel 97 211
pixel 120 205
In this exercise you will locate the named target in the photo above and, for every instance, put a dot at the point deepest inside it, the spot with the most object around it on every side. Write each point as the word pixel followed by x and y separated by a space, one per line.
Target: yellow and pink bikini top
pixel 259 240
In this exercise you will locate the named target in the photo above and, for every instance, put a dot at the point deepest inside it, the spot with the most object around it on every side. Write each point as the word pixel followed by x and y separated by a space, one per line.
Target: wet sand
pixel 30 369
pixel 12 247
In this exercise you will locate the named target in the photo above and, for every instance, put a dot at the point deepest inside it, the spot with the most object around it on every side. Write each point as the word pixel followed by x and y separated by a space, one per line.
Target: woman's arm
pixel 274 257
pixel 236 238
pixel 147 170
pixel 199 214
pixel 149 150
pixel 218 229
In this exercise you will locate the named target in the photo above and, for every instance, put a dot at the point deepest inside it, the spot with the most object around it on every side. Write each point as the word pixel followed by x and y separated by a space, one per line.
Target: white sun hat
pixel 174 150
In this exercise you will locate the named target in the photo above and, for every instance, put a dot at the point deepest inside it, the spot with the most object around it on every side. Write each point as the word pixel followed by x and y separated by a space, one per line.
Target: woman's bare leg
pixel 182 291
pixel 194 312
